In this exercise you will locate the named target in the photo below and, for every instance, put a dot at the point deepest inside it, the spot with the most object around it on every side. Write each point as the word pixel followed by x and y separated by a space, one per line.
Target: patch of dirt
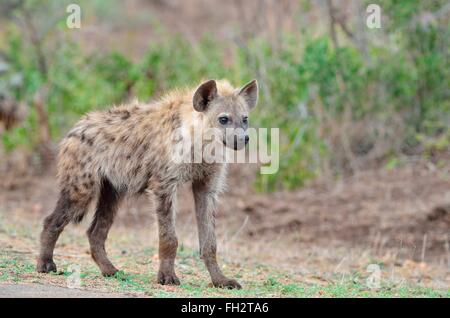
pixel 405 207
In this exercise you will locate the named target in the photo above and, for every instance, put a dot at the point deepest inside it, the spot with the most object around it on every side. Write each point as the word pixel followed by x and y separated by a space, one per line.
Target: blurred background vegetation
pixel 345 97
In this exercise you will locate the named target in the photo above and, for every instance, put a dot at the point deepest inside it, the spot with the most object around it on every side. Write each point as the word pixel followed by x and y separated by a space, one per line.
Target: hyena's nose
pixel 246 139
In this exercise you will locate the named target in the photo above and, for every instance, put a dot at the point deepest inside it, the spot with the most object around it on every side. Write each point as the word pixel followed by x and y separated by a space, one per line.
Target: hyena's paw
pixel 109 272
pixel 226 283
pixel 45 266
pixel 168 278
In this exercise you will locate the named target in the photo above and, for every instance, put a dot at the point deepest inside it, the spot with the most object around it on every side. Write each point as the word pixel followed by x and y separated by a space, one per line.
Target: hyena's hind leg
pixel 107 206
pixel 66 210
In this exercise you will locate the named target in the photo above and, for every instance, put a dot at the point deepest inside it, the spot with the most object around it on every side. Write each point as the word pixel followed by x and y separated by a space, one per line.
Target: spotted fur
pixel 127 150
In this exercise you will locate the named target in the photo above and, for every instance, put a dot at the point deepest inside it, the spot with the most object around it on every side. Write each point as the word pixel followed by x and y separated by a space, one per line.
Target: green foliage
pixel 423 46
pixel 305 89
pixel 175 62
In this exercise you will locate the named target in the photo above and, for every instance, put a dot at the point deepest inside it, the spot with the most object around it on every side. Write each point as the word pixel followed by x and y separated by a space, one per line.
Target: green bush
pixel 307 89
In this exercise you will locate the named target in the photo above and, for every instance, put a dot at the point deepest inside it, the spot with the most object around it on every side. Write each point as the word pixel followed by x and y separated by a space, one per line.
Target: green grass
pixel 139 264
pixel 260 282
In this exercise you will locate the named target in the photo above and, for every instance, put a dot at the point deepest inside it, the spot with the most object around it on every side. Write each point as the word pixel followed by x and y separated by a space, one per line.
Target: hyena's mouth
pixel 237 145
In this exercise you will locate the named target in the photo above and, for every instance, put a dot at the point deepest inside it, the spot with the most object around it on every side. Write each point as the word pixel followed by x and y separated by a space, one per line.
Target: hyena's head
pixel 227 114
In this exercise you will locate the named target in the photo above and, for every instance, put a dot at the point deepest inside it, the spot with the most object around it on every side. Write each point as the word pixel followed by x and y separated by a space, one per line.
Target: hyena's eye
pixel 245 120
pixel 224 120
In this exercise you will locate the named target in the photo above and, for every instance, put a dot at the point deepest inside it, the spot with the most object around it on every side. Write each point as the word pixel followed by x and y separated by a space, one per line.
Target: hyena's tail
pixel 75 200
pixel 78 182
pixel 108 196
pixel 77 209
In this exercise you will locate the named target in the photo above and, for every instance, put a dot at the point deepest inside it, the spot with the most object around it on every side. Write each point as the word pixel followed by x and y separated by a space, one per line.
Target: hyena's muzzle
pixel 235 138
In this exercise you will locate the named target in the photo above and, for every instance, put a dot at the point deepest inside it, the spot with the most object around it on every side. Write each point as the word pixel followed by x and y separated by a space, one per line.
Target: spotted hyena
pixel 127 151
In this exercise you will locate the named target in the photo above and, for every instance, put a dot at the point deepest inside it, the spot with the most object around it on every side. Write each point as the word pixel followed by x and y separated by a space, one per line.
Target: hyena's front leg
pixel 168 242
pixel 205 208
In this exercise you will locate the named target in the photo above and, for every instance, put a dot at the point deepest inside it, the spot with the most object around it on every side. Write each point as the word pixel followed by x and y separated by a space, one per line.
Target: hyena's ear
pixel 204 94
pixel 250 93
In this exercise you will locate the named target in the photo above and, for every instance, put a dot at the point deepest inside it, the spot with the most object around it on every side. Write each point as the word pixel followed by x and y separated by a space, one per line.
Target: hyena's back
pixel 125 146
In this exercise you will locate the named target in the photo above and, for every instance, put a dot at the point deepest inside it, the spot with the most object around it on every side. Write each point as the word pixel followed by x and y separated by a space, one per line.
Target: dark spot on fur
pixel 136 170
pixel 176 121
pixel 173 121
pixel 109 137
pixel 172 180
pixel 145 184
pixel 72 135
pixel 142 151
pixel 125 115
